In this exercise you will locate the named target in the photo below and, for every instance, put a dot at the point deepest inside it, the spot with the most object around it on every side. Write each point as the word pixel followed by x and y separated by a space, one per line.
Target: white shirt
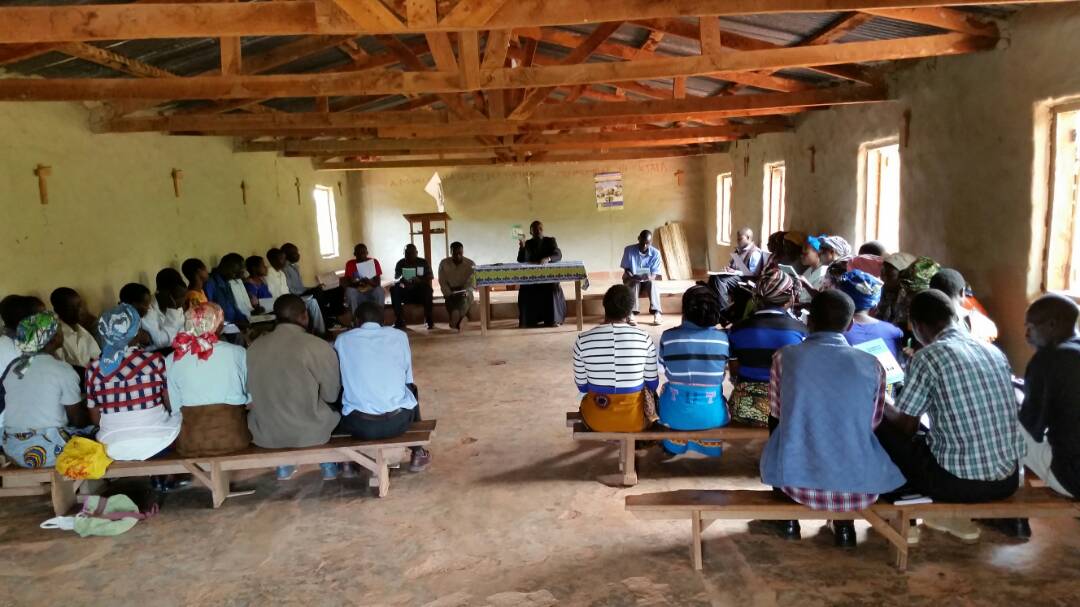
pixel 240 294
pixel 614 358
pixel 162 326
pixel 8 352
pixel 79 346
pixel 220 379
pixel 376 366
pixel 277 282
pixel 37 401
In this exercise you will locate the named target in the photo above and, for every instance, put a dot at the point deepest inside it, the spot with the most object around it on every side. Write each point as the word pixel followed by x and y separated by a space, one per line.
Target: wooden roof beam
pixel 405 83
pixel 73 23
pixel 944 18
pixel 597 155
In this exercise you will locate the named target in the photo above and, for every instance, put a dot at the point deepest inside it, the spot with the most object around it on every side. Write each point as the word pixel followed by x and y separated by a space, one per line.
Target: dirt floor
pixel 511 512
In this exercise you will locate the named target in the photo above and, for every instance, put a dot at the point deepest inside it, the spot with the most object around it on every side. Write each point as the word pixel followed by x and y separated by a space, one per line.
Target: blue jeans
pixel 328 469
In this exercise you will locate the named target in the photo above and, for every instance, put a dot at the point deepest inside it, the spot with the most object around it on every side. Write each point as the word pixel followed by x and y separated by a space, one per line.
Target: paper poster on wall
pixel 609 191
pixel 434 189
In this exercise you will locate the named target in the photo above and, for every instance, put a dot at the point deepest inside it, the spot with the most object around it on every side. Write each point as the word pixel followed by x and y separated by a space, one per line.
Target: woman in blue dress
pixel 694 356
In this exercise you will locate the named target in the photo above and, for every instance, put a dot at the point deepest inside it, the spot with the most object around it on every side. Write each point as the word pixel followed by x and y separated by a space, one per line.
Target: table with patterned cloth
pixel 505 274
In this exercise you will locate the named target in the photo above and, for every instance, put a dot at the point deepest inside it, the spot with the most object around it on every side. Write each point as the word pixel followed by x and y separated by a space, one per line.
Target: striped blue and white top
pixel 694 355
pixel 615 359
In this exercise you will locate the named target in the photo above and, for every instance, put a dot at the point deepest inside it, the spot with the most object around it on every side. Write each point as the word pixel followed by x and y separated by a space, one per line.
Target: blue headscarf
pixel 864 289
pixel 117 328
pixel 816 241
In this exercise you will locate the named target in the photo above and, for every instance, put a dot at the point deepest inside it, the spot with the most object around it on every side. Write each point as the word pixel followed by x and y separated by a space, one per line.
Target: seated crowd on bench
pixel 840 437
pixel 168 374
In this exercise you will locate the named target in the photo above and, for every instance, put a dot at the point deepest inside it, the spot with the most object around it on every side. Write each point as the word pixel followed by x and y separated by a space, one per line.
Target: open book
pixel 894 373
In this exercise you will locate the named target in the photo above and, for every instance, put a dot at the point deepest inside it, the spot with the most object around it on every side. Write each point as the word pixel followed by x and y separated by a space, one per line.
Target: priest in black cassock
pixel 540 303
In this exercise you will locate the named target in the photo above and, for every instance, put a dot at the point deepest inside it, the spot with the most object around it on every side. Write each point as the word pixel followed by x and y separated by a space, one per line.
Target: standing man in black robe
pixel 540 303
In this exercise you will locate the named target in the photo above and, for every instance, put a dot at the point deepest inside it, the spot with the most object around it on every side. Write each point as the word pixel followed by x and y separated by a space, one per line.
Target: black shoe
pixel 789 530
pixel 1013 527
pixel 400 326
pixel 843 533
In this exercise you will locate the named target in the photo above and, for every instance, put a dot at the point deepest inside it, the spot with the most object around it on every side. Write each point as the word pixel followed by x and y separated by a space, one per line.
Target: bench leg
pixel 895 533
pixel 626 458
pixel 63 494
pixel 695 545
pixel 219 484
pixel 382 474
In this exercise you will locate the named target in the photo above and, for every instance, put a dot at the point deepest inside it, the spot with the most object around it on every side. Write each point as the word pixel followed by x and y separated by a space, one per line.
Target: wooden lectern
pixel 420 225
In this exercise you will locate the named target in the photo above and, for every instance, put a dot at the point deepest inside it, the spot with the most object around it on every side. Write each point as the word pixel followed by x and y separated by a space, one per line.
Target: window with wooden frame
pixel 881 193
pixel 326 222
pixel 723 209
pixel 773 199
pixel 1063 241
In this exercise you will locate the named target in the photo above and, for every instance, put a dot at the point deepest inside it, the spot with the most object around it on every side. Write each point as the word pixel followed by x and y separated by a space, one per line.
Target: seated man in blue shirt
pixel 379 400
pixel 641 265
pixel 231 267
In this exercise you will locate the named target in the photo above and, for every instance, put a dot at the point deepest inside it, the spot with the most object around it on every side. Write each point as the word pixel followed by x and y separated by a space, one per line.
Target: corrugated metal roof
pixel 194 56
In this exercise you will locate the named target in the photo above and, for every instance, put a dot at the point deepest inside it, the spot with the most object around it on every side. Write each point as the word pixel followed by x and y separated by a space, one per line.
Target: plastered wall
pixel 113 218
pixel 485 202
pixel 974 166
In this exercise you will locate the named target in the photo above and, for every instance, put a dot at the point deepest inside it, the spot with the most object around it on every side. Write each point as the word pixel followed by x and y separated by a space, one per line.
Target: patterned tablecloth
pixel 528 273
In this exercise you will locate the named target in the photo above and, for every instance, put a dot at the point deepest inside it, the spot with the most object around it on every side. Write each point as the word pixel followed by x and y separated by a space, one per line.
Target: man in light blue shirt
pixel 379 400
pixel 641 265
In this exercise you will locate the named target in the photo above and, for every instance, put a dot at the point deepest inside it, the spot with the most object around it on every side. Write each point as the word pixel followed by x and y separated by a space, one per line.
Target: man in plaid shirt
pixel 965 386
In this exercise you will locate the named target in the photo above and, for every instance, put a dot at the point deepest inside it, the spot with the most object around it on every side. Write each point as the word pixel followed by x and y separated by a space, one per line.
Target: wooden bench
pixel 628 440
pixel 214 472
pixel 703 507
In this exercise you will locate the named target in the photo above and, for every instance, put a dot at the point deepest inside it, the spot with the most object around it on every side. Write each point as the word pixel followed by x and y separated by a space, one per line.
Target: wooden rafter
pixel 594 156
pixel 396 82
pixel 112 60
pixel 37 24
pixel 534 97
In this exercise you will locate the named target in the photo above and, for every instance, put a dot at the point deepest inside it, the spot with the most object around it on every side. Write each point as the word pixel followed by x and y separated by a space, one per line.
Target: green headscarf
pixel 916 277
pixel 33 334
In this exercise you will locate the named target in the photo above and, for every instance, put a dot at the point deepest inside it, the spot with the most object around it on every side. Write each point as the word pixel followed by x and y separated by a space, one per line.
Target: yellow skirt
pixel 616 412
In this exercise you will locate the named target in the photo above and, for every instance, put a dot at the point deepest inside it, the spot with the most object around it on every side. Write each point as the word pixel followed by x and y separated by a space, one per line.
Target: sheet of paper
pixel 408 273
pixel 365 269
pixel 789 270
pixel 267 303
pixel 230 329
pixel 894 373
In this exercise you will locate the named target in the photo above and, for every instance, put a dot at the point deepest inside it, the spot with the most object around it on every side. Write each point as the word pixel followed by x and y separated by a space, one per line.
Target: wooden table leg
pixel 577 298
pixel 485 301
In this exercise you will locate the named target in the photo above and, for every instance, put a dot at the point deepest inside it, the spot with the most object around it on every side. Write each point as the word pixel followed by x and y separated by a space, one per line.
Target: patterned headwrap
pixel 864 289
pixel 775 288
pixel 117 328
pixel 838 245
pixel 916 277
pixel 201 323
pixel 31 336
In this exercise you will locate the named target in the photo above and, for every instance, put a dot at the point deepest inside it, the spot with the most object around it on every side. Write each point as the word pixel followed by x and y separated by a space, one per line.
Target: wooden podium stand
pixel 420 225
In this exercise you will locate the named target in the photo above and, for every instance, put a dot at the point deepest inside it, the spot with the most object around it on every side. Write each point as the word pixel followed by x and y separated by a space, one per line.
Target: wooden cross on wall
pixel 243 191
pixel 42 172
pixel 297 184
pixel 177 175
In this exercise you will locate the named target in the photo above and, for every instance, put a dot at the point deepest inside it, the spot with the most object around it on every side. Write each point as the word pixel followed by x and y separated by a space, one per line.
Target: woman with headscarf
pixel 755 340
pixel 888 308
pixel 813 277
pixel 914 279
pixel 207 380
pixel 865 291
pixel 126 390
pixel 43 400
pixel 694 356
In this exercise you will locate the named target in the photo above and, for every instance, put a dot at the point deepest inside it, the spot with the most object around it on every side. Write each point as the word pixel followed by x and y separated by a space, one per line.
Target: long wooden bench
pixel 702 507
pixel 215 472
pixel 628 440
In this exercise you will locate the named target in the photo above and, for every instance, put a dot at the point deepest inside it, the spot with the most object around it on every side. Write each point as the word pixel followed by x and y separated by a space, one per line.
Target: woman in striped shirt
pixel 694 356
pixel 615 369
